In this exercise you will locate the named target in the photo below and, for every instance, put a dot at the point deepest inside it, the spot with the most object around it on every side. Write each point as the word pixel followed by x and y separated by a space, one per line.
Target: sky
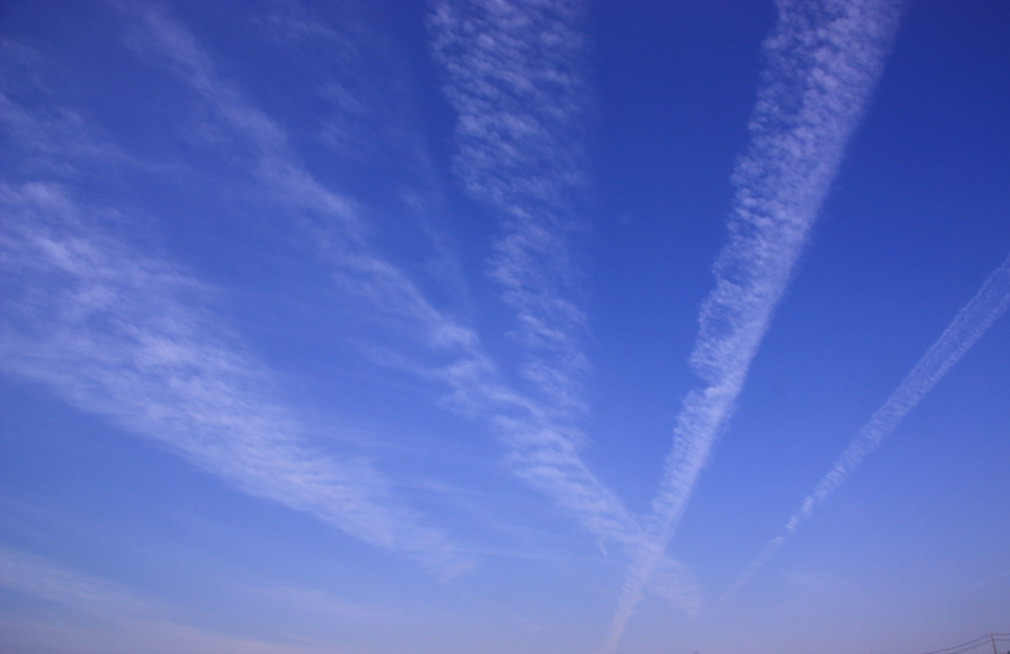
pixel 506 327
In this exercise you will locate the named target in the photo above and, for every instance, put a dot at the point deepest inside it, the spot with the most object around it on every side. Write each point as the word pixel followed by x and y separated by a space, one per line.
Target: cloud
pixel 538 447
pixel 276 165
pixel 512 72
pixel 823 61
pixel 971 322
pixel 44 138
pixel 117 620
pixel 36 576
pixel 335 228
pixel 128 336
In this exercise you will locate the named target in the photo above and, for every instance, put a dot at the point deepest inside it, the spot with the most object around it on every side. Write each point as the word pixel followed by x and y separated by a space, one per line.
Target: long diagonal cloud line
pixel 141 626
pixel 505 74
pixel 121 334
pixel 823 61
pixel 539 448
pixel 281 172
pixel 340 236
pixel 971 322
pixel 512 71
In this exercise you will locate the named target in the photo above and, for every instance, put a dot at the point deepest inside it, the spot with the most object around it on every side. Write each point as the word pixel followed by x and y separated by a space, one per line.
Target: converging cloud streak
pixel 971 322
pixel 373 287
pixel 338 234
pixel 124 335
pixel 139 625
pixel 823 61
pixel 334 227
pixel 512 73
pixel 540 448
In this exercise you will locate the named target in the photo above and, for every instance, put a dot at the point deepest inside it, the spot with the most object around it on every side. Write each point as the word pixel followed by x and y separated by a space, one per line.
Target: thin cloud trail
pixel 823 61
pixel 65 228
pixel 511 72
pixel 370 118
pixel 970 324
pixel 540 448
pixel 336 229
pixel 34 575
pixel 126 336
pixel 140 625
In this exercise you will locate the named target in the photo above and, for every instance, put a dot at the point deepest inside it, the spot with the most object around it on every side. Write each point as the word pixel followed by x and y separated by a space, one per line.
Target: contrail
pixel 542 446
pixel 119 618
pixel 129 336
pixel 974 319
pixel 511 70
pixel 823 61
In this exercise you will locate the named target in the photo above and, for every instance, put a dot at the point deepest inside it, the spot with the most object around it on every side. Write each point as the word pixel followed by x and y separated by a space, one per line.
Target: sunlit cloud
pixel 116 619
pixel 129 337
pixel 823 62
pixel 970 324
pixel 366 269
pixel 513 73
pixel 539 449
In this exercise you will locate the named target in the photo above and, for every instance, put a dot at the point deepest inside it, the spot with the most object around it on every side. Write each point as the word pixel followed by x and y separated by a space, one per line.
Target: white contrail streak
pixel 106 611
pixel 126 336
pixel 511 72
pixel 974 319
pixel 823 61
pixel 541 448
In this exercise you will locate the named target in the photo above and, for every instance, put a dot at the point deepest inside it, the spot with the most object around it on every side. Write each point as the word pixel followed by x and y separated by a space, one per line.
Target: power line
pixel 975 643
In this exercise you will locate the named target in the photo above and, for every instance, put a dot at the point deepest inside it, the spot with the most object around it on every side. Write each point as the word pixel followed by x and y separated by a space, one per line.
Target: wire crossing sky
pixel 361 327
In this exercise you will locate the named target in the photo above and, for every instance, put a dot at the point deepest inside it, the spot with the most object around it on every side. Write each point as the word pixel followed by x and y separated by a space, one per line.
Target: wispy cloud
pixel 539 450
pixel 513 71
pixel 331 222
pixel 128 336
pixel 538 447
pixel 971 322
pixel 139 625
pixel 823 61
pixel 34 575
pixel 45 139
pixel 274 162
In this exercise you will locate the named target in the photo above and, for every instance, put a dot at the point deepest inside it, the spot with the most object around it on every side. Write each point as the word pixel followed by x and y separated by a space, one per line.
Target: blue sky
pixel 367 327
